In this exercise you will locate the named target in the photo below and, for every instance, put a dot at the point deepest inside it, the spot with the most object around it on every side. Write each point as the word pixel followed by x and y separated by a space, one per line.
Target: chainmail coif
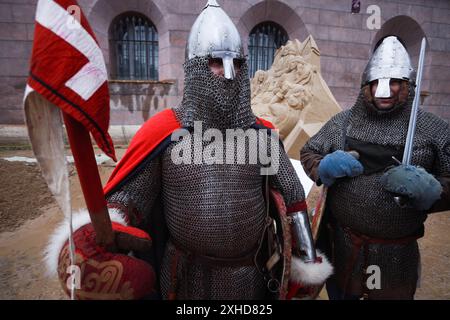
pixel 218 102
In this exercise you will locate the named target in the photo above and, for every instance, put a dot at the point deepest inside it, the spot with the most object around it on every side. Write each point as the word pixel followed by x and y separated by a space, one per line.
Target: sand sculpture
pixel 293 95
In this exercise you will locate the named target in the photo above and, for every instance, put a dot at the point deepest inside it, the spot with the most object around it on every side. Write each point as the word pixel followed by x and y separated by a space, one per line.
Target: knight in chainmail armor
pixel 214 215
pixel 365 226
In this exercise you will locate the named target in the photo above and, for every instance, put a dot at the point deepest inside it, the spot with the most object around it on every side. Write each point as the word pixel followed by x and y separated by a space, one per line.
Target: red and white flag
pixel 68 74
pixel 67 68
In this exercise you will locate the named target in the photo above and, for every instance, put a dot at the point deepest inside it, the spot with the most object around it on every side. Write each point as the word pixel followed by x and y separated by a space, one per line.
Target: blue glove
pixel 337 165
pixel 419 187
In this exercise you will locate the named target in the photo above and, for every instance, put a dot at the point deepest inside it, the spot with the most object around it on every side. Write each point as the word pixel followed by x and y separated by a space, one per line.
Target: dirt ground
pixel 28 215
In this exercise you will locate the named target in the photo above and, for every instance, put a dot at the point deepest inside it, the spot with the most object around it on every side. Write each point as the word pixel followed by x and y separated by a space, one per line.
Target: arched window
pixel 134 44
pixel 263 41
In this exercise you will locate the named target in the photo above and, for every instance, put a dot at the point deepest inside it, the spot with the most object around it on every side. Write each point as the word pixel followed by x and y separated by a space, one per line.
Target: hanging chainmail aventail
pixel 217 102
pixel 385 127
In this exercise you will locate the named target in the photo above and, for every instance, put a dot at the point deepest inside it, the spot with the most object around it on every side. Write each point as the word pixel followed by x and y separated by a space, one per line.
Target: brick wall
pixel 344 40
pixel 16 34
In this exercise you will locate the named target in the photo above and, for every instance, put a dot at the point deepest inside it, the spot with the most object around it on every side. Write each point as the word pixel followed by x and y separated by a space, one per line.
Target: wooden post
pixel 91 185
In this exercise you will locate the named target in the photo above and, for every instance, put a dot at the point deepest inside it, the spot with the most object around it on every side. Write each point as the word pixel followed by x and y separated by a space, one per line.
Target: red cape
pixel 146 140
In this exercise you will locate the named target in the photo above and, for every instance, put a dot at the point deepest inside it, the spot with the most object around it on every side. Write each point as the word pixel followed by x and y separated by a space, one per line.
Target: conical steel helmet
pixel 389 61
pixel 214 34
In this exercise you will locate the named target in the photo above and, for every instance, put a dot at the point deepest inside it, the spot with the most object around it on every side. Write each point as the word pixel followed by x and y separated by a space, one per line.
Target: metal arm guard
pixel 303 239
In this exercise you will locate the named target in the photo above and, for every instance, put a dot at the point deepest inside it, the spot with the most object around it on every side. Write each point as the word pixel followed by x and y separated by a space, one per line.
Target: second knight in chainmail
pixel 213 214
pixel 369 232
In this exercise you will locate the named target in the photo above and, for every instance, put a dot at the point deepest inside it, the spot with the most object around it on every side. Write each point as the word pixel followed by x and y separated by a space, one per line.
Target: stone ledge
pixel 169 81
pixel 18 134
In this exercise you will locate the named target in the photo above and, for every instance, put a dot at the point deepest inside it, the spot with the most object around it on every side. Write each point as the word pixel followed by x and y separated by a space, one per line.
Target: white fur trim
pixel 311 273
pixel 61 234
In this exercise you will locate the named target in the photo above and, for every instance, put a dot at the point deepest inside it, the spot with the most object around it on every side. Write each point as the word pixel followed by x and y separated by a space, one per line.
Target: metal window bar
pixel 263 42
pixel 135 41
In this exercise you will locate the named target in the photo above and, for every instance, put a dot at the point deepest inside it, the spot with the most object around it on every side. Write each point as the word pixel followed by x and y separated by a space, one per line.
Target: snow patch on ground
pixel 20 159
pixel 99 158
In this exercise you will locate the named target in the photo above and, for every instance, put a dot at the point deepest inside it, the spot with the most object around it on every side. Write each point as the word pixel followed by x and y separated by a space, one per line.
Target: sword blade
pixel 415 107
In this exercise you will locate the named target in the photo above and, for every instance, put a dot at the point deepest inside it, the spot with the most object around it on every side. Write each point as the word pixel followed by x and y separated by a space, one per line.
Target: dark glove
pixel 337 165
pixel 413 183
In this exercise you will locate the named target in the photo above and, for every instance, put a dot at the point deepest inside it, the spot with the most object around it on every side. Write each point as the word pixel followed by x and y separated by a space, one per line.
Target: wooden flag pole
pixel 91 185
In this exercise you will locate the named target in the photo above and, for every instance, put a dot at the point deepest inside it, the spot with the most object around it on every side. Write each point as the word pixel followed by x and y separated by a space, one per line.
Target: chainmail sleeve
pixel 285 179
pixel 137 196
pixel 441 166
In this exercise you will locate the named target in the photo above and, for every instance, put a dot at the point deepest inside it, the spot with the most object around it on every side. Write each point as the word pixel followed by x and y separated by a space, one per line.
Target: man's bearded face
pixel 387 103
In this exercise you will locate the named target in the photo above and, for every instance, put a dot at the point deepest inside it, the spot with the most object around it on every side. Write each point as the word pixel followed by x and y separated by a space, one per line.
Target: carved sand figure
pixel 293 95
pixel 260 84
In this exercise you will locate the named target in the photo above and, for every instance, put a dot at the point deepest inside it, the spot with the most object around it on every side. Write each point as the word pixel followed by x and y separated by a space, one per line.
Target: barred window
pixel 263 41
pixel 134 44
